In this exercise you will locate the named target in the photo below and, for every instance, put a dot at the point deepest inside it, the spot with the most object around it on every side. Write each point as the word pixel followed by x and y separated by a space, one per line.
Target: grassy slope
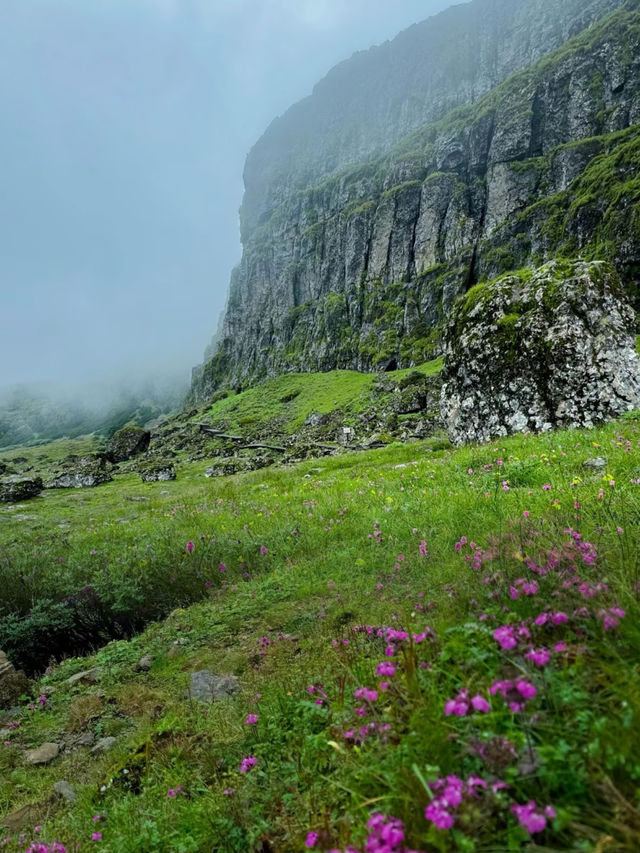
pixel 290 398
pixel 322 574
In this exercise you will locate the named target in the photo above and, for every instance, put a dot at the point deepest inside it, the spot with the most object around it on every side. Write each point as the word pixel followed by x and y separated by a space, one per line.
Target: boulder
pixel 43 754
pixel 158 473
pixel 87 472
pixel 15 489
pixel 65 790
pixel 127 443
pixel 204 686
pixel 87 676
pixel 530 352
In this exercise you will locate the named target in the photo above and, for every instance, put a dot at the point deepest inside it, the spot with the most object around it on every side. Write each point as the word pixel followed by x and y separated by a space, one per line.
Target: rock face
pixel 16 489
pixel 354 252
pixel 531 352
pixel 127 443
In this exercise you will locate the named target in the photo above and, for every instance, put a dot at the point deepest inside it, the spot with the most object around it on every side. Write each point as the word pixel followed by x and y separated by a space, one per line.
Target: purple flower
pixel 247 763
pixel 311 839
pixel 189 547
pixel 479 703
pixel 531 817
pixel 251 719
pixel 386 668
pixel 540 657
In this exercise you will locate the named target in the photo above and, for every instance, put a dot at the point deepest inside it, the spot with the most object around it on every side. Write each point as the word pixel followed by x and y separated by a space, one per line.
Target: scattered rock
pixel 529 353
pixel 88 676
pixel 103 745
pixel 85 739
pixel 206 687
pixel 127 443
pixel 13 683
pixel 158 474
pixel 15 489
pixel 43 754
pixel 65 790
pixel 596 463
pixel 23 818
pixel 144 664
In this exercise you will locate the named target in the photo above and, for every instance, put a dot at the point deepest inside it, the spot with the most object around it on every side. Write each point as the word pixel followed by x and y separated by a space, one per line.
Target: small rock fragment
pixel 65 790
pixel 43 754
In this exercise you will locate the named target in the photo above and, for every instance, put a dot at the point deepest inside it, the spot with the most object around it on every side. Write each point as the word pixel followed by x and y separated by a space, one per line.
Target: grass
pixel 309 552
pixel 287 400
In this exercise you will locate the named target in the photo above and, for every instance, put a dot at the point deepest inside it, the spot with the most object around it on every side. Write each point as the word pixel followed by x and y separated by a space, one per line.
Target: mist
pixel 125 124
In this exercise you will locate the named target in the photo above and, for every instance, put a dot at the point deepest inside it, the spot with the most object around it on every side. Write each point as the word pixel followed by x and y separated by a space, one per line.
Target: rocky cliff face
pixel 372 205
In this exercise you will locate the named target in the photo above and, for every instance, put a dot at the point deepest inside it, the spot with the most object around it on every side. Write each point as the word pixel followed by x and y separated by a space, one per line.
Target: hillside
pixel 505 574
pixel 356 262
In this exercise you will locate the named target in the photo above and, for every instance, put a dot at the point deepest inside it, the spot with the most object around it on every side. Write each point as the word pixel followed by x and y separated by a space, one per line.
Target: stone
pixel 528 353
pixel 13 683
pixel 43 754
pixel 15 489
pixel 88 472
pixel 85 739
pixel 127 443
pixel 158 474
pixel 23 818
pixel 596 464
pixel 87 676
pixel 144 664
pixel 103 745
pixel 65 790
pixel 204 686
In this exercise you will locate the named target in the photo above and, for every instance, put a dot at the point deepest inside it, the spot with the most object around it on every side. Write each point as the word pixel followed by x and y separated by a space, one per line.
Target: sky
pixel 124 125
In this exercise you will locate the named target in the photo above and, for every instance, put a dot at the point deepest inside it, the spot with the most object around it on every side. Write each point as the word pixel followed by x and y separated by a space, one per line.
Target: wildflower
pixel 229 792
pixel 311 840
pixel 251 719
pixel 247 763
pixel 479 703
pixel 386 834
pixel 423 548
pixel 504 636
pixel 546 487
pixel 96 836
pixel 531 817
pixel 189 547
pixel 366 694
pixel 386 668
pixel 264 550
pixel 540 657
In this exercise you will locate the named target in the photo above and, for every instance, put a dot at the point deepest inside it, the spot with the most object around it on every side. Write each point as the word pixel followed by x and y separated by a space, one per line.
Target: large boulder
pixel 127 443
pixel 16 489
pixel 89 471
pixel 534 351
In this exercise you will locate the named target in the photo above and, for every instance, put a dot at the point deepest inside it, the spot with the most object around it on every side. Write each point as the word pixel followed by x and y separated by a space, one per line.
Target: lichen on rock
pixel 530 352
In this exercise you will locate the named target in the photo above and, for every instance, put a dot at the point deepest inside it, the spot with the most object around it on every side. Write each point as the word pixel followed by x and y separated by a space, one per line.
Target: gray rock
pixel 158 474
pixel 87 676
pixel 84 739
pixel 103 745
pixel 15 489
pixel 144 664
pixel 127 443
pixel 204 686
pixel 65 790
pixel 525 354
pixel 43 754
pixel 596 463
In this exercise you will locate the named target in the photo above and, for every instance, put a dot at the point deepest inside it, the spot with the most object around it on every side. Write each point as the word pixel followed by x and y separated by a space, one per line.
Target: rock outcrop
pixel 358 238
pixel 528 352
pixel 127 443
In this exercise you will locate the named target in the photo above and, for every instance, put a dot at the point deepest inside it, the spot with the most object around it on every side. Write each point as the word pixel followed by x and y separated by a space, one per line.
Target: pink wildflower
pixel 311 840
pixel 189 547
pixel 247 763
pixel 251 719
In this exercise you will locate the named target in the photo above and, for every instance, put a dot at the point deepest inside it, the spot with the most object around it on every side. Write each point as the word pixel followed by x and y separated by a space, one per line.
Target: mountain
pixel 496 135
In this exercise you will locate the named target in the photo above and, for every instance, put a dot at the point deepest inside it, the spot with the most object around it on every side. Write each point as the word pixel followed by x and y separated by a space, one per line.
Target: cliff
pixel 423 166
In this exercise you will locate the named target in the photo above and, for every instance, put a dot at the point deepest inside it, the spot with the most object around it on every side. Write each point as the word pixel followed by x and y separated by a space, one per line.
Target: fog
pixel 124 128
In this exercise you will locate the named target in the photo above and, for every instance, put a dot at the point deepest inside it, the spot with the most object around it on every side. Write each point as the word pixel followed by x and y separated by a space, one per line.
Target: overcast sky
pixel 124 125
